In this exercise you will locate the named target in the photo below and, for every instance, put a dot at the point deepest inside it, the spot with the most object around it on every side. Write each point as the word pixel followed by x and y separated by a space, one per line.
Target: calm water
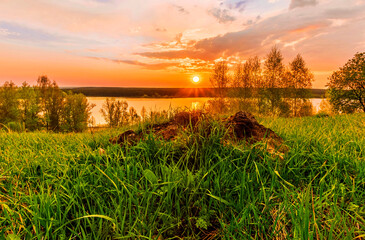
pixel 158 104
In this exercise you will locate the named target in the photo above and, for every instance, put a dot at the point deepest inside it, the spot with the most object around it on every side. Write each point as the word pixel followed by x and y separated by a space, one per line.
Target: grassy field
pixel 59 186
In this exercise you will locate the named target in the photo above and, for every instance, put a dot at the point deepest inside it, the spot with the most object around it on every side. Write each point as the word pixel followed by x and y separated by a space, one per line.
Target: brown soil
pixel 168 130
pixel 242 126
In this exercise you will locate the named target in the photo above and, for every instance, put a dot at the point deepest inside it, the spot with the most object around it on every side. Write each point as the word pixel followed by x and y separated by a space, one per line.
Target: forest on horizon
pixel 159 92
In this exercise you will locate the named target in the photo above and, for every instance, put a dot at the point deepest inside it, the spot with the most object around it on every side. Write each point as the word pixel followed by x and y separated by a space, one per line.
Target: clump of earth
pixel 241 126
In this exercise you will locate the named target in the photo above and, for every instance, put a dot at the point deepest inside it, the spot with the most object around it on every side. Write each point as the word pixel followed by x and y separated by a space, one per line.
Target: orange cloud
pixel 307 28
pixel 157 43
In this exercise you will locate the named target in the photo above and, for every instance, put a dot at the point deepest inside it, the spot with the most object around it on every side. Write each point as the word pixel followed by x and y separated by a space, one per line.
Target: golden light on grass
pixel 196 79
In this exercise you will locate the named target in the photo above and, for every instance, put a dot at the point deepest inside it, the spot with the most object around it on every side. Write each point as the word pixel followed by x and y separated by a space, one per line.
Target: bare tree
pixel 220 81
pixel 273 73
pixel 219 78
pixel 245 78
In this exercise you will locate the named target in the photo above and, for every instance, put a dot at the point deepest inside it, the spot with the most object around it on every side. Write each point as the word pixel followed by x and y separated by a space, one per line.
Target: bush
pixel 15 126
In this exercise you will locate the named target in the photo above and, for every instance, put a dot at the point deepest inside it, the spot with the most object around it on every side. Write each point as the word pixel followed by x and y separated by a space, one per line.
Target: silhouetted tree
pixel 299 83
pixel 347 86
pixel 246 78
pixel 220 81
pixel 274 73
pixel 219 78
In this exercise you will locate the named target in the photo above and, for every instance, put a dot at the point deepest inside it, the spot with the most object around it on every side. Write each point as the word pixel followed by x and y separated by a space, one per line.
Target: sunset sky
pixel 165 43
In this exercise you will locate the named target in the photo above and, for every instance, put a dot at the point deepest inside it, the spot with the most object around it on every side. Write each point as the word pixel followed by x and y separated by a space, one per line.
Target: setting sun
pixel 196 79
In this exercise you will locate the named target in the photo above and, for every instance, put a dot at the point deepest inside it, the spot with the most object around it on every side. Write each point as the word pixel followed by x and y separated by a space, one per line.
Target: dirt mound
pixel 242 126
pixel 188 118
pixel 168 130
pixel 128 136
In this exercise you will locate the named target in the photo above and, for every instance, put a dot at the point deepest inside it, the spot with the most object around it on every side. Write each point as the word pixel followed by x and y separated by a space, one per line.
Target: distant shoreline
pixel 157 92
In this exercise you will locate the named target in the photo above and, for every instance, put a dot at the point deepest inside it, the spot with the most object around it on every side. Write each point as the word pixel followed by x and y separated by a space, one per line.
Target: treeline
pixel 158 92
pixel 144 92
pixel 46 107
pixel 265 87
pixel 43 106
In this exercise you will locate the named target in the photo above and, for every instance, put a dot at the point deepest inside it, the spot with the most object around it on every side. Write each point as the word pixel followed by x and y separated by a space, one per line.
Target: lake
pixel 159 104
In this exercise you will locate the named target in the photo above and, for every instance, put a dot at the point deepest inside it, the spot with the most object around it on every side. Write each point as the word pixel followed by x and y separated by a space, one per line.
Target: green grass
pixel 58 186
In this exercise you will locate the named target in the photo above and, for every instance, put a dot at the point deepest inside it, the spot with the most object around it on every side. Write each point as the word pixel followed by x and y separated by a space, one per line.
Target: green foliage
pixel 30 107
pixel 115 112
pixel 133 115
pixel 321 115
pixel 217 105
pixel 76 112
pixel 51 102
pixel 202 223
pixel 9 105
pixel 44 105
pixel 150 176
pixel 59 186
pixel 305 108
pixel 15 126
pixel 347 86
pixel 12 237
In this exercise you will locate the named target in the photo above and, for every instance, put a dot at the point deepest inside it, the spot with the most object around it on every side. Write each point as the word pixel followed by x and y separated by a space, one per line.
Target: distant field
pixel 158 92
pixel 59 186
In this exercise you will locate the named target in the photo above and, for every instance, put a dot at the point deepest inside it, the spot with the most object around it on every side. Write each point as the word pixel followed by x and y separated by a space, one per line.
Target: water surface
pixel 150 104
pixel 159 104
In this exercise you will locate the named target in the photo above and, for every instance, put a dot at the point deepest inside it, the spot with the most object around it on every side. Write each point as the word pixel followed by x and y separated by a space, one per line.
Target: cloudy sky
pixel 164 43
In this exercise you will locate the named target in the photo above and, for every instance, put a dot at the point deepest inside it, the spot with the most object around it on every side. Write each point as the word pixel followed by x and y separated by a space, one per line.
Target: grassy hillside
pixel 59 186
